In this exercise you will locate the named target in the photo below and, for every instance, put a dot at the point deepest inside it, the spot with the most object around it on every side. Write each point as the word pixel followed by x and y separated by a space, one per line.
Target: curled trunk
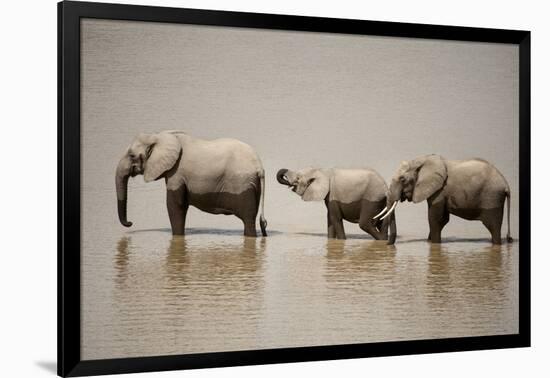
pixel 281 177
pixel 121 181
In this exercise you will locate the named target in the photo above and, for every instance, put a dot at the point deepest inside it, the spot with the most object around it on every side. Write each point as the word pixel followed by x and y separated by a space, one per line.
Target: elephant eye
pixel 402 179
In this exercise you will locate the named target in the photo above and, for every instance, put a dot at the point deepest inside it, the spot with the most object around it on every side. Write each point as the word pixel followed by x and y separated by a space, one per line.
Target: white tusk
pixel 390 210
pixel 380 213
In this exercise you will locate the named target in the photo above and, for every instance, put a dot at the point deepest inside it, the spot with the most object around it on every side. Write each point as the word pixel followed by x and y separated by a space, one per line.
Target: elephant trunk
pixel 281 177
pixel 394 194
pixel 121 181
pixel 392 198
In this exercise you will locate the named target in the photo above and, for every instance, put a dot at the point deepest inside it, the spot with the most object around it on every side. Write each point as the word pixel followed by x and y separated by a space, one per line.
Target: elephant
pixel 221 176
pixel 355 195
pixel 470 189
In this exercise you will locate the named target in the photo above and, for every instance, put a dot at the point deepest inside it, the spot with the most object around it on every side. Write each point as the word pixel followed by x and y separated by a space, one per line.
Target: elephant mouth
pixel 291 186
pixel 137 167
pixel 406 195
pixel 135 170
pixel 283 179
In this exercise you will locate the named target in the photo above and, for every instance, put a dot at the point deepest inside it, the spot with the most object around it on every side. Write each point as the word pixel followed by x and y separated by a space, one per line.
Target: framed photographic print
pixel 239 188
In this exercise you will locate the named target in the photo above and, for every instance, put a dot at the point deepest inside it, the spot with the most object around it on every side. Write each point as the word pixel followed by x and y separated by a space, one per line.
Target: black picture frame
pixel 69 333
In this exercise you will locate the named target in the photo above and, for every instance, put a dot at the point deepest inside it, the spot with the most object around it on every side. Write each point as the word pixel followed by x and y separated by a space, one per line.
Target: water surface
pixel 148 293
pixel 299 99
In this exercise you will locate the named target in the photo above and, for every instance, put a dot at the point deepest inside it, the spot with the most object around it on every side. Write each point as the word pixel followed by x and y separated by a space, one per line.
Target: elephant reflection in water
pixel 188 297
pixel 122 259
pixel 211 285
pixel 193 268
pixel 215 267
pixel 479 273
pixel 370 259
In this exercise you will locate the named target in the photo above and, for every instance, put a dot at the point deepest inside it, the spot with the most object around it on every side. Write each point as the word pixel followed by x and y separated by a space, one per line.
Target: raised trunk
pixel 121 181
pixel 281 177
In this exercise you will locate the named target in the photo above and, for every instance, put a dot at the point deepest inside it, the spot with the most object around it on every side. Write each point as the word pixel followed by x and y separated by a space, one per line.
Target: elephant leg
pixel 336 220
pixel 369 228
pixel 331 233
pixel 369 225
pixel 492 219
pixel 246 209
pixel 339 228
pixel 438 216
pixel 444 221
pixel 382 227
pixel 177 204
pixel 250 227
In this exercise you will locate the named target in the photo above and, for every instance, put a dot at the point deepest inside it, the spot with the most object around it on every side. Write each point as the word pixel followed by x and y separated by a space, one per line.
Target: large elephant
pixel 471 189
pixel 222 176
pixel 355 195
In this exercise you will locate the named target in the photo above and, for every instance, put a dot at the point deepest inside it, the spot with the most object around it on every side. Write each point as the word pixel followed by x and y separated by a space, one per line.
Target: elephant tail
pixel 508 200
pixel 263 222
pixel 393 230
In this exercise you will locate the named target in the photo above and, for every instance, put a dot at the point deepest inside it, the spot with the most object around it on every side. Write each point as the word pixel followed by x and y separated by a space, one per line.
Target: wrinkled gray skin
pixel 355 195
pixel 222 176
pixel 471 189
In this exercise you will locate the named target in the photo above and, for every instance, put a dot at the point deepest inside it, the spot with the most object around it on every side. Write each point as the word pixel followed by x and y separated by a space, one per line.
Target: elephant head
pixel 311 184
pixel 150 155
pixel 415 181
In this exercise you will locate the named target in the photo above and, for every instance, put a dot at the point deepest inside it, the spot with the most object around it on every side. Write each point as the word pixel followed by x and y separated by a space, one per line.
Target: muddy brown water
pixel 145 293
pixel 148 293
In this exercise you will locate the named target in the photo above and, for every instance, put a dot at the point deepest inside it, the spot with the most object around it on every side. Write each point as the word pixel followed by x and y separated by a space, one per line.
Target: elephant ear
pixel 318 188
pixel 431 177
pixel 164 150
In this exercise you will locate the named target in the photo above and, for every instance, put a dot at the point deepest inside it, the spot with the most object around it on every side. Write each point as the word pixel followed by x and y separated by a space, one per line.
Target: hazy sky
pixel 300 99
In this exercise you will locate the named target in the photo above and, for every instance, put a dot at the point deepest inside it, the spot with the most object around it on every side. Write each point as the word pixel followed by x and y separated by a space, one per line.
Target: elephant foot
pixel 250 228
pixel 336 237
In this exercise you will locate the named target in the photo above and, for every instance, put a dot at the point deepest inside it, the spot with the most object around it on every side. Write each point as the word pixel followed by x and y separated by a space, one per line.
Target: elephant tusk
pixel 390 210
pixel 380 213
